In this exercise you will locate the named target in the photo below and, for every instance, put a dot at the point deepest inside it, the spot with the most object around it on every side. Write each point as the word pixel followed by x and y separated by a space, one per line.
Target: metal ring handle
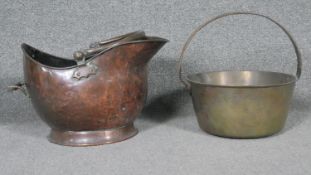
pixel 298 54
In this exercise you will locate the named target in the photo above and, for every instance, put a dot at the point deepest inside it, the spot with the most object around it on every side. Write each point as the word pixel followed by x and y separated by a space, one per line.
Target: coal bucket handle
pixel 98 48
pixel 122 38
pixel 84 69
pixel 297 51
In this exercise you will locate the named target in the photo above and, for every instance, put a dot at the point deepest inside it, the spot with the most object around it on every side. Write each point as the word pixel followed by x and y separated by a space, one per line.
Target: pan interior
pixel 241 78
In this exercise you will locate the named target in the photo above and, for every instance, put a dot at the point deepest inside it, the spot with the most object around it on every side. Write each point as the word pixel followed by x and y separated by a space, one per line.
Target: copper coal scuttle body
pixel 94 98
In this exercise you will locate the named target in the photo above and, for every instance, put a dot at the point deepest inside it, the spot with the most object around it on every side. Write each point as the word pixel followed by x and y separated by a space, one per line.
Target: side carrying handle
pixel 186 45
pixel 19 86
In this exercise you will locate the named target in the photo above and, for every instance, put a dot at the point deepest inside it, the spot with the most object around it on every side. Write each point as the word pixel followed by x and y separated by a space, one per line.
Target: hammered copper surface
pixel 106 93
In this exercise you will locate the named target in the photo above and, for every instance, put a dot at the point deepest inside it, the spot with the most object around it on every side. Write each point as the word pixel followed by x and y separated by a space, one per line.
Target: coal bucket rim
pixel 24 46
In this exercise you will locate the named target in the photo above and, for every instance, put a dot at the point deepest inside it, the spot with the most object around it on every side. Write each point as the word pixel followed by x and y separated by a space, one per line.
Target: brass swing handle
pixel 101 46
pixel 297 51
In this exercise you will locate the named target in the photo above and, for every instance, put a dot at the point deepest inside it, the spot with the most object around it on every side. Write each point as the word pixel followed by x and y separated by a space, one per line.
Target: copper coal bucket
pixel 241 104
pixel 94 98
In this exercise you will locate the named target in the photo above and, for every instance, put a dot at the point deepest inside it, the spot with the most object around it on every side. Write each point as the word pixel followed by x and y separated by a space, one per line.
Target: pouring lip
pixel 24 45
pixel 292 79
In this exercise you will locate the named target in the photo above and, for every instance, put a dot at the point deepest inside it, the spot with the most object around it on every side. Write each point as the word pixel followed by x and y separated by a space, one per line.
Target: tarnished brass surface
pixel 227 105
pixel 96 97
pixel 241 104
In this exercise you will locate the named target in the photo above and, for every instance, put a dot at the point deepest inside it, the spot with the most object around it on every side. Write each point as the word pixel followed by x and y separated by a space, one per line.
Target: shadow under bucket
pixel 241 104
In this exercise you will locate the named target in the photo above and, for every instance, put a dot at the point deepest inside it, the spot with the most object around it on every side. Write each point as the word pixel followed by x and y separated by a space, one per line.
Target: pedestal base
pixel 92 138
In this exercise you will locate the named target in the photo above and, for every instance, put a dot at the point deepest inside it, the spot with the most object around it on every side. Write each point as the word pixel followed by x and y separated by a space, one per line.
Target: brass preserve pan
pixel 241 104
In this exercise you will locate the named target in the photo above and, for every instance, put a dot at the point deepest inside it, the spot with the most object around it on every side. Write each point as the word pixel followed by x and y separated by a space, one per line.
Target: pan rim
pixel 292 78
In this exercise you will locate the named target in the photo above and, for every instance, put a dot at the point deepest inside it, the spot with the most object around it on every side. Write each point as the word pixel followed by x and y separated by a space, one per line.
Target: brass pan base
pixel 258 136
pixel 92 138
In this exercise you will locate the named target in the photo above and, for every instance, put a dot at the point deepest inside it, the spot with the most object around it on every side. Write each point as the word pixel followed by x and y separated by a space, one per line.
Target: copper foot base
pixel 92 138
